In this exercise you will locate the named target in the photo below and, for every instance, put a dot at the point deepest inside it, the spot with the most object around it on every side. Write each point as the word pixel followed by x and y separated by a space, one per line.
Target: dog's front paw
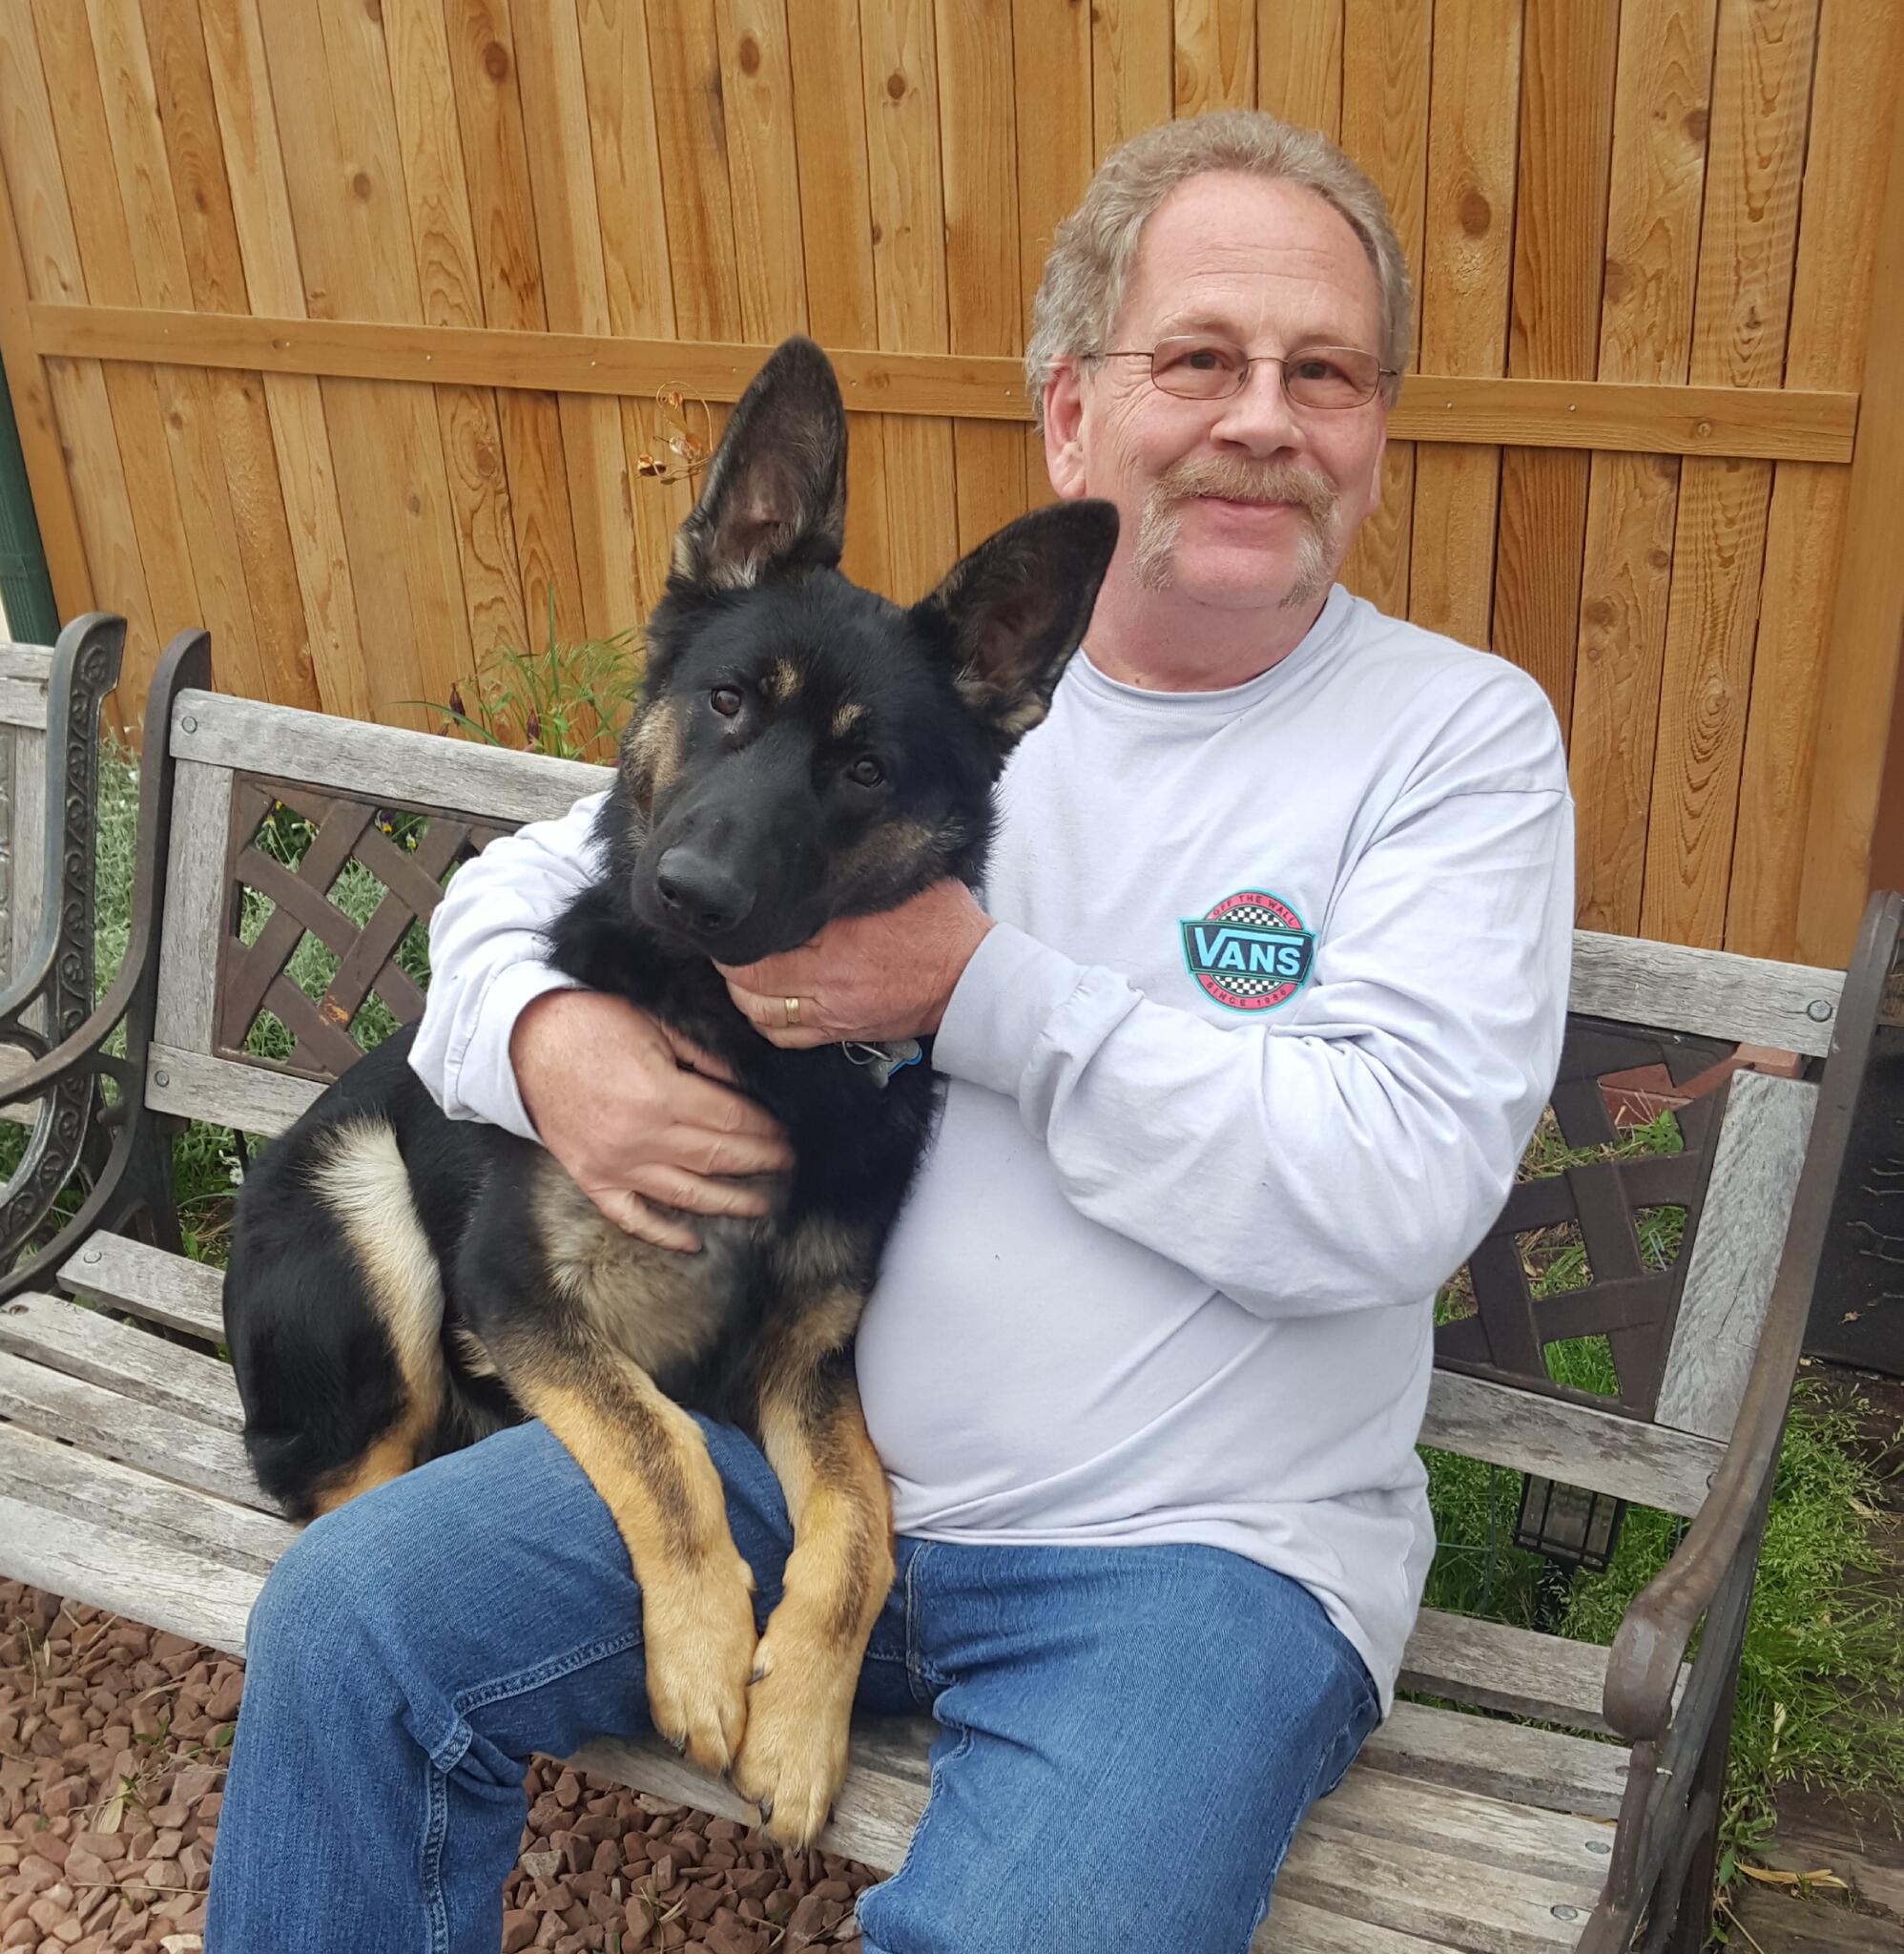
pixel 697 1631
pixel 793 1759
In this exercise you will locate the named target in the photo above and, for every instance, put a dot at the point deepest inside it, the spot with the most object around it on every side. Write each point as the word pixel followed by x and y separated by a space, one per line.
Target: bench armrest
pixel 1650 1646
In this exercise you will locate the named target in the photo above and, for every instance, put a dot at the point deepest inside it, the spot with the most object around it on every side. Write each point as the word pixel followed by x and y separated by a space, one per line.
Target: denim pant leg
pixel 407 1655
pixel 1129 1738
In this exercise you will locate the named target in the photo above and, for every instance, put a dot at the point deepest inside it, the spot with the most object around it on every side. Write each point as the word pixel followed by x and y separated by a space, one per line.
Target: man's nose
pixel 1258 417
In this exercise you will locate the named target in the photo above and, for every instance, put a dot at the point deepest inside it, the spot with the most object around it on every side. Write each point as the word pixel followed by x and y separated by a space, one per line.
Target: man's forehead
pixel 1222 242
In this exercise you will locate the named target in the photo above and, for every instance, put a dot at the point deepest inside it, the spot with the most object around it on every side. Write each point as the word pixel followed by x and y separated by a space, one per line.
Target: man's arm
pixel 637 1113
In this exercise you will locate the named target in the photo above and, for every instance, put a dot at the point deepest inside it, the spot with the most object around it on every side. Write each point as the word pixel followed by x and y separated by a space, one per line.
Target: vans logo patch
pixel 1250 953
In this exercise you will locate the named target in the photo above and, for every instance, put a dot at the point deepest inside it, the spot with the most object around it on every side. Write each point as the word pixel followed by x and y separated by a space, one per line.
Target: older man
pixel 1261 1003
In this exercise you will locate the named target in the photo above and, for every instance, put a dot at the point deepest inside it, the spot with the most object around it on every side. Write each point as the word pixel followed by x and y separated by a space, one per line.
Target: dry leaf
pixel 1768 1875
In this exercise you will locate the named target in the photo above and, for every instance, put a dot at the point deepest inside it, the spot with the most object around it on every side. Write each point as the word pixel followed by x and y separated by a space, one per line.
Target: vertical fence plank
pixel 39 218
pixel 900 61
pixel 207 240
pixel 1215 47
pixel 483 79
pixel 1052 84
pixel 631 212
pixel 757 105
pixel 979 145
pixel 1304 50
pixel 1467 255
pixel 1867 621
pixel 142 397
pixel 1859 50
pixel 1761 90
pixel 443 236
pixel 837 220
pixel 575 293
pixel 1660 112
pixel 1132 80
pixel 300 436
pixel 1385 65
pixel 345 185
pixel 1559 226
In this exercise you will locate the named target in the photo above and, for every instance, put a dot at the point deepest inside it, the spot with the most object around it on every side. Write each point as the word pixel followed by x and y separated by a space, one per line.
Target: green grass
pixel 1824 1652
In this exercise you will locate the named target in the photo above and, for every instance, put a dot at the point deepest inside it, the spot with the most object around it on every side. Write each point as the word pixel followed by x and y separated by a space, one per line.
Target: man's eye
pixel 725 699
pixel 866 771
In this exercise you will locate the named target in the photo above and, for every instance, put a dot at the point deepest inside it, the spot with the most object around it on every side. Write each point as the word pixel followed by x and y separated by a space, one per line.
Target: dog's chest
pixel 665 1310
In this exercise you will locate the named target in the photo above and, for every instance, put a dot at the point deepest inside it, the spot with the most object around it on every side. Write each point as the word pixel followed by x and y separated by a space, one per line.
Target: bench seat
pixel 1453 1831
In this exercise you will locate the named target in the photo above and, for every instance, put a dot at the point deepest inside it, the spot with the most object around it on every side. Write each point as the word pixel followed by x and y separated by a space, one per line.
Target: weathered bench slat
pixel 149 1282
pixel 1504 1760
pixel 1555 1845
pixel 22 702
pixel 67 1337
pixel 1416 1889
pixel 1710 993
pixel 1729 1280
pixel 1295 1927
pixel 1574 1443
pixel 150 1577
pixel 91 1488
pixel 377 762
pixel 117 1427
pixel 197 911
pixel 224 1091
pixel 1500 1667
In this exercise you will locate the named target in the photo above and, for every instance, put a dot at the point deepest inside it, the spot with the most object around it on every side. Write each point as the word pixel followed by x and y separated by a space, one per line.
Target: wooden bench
pixel 1571 1802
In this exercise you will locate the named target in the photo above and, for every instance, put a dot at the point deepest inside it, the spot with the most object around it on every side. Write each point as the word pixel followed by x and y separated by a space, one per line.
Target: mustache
pixel 1237 480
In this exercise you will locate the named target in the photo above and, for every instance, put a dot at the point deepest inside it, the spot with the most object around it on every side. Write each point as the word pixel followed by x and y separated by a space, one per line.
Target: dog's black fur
pixel 804 750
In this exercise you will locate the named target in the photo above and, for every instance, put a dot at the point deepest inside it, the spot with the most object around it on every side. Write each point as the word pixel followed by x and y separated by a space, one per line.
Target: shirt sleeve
pixel 1353 1155
pixel 489 961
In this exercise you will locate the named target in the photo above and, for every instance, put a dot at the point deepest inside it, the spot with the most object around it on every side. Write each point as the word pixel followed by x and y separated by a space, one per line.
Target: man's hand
pixel 633 1109
pixel 866 977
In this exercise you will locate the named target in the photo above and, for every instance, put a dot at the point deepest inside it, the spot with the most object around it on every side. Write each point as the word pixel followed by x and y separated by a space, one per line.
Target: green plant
pixel 568 699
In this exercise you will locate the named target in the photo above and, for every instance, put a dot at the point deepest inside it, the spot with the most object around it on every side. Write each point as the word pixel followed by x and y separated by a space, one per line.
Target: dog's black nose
pixel 701 894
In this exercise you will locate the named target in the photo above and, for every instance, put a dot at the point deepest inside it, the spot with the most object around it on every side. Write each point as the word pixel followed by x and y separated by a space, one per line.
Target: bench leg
pixel 1692 1924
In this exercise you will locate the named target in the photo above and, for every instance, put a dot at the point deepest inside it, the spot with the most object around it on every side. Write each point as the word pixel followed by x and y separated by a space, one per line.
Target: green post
pixel 25 591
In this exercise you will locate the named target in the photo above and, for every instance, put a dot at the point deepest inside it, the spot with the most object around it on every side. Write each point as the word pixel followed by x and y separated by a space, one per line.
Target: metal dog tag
pixel 881 1061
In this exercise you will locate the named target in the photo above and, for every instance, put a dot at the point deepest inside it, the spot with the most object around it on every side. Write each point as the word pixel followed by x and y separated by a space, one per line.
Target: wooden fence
pixel 334 325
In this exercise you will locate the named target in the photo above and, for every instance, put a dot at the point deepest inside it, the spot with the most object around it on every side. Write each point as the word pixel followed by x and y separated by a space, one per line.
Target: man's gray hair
pixel 1093 249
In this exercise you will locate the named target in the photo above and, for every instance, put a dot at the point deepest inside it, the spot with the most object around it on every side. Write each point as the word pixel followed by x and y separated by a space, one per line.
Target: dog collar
pixel 882 1060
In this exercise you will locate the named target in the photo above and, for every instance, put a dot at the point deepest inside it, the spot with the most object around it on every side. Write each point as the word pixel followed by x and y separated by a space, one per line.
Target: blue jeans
pixel 1128 1736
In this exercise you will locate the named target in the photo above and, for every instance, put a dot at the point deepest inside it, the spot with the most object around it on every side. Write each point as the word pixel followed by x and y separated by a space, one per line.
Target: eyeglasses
pixel 1194 367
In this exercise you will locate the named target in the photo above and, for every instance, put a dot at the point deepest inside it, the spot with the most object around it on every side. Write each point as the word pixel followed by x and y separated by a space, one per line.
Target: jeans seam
pixel 436 1829
pixel 500 1688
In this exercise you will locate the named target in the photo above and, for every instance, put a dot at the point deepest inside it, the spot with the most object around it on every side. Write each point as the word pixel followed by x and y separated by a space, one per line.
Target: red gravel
pixel 113 1745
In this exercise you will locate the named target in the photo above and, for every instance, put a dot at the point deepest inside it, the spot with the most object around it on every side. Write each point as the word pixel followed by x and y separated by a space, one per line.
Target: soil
pixel 113 1740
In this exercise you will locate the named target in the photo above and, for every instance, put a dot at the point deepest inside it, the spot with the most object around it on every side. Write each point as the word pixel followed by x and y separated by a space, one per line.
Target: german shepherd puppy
pixel 401 1285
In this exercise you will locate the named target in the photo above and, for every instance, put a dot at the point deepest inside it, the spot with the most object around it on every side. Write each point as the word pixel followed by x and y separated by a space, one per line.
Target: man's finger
pixel 697 1192
pixel 695 1056
pixel 633 1215
pixel 695 1101
pixel 726 1153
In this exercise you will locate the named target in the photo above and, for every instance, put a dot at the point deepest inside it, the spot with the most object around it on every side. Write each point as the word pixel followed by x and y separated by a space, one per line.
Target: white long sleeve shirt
pixel 1243 1075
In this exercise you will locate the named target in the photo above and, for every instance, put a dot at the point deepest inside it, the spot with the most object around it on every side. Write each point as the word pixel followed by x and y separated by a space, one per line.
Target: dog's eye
pixel 866 771
pixel 725 699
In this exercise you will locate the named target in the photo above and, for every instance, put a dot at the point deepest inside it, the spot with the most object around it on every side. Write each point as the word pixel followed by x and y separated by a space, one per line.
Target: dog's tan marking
pixel 652 757
pixel 837 1576
pixel 361 1181
pixel 895 856
pixel 473 1352
pixel 780 681
pixel 647 1459
pixel 845 718
pixel 387 1458
pixel 653 1306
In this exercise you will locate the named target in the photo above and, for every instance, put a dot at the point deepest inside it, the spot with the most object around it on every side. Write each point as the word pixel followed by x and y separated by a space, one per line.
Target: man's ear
pixel 1064 408
pixel 775 493
pixel 1012 613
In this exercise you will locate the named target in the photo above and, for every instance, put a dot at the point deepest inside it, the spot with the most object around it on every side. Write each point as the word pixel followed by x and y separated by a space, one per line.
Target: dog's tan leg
pixel 837 1576
pixel 647 1459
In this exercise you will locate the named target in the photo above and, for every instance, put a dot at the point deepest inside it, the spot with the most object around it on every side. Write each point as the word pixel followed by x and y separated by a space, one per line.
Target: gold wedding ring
pixel 792 1007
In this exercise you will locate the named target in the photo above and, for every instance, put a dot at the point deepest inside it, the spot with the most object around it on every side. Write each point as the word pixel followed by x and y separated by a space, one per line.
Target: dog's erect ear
pixel 775 493
pixel 1015 609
